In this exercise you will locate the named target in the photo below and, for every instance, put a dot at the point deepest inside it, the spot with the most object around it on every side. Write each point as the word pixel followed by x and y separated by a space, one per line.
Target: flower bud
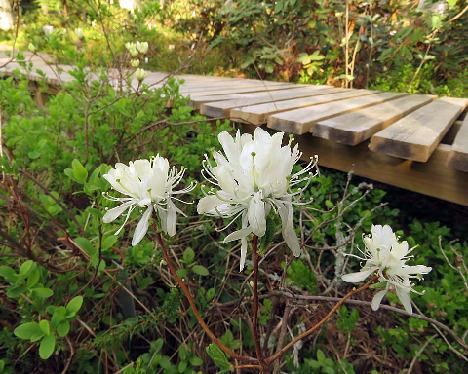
pixel 135 62
pixel 140 74
pixel 31 47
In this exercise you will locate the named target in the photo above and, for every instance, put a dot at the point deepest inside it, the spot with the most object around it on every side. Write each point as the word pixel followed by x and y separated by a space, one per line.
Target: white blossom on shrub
pixel 142 47
pixel 79 32
pixel 140 74
pixel 252 177
pixel 48 29
pixel 147 184
pixel 386 257
pixel 132 49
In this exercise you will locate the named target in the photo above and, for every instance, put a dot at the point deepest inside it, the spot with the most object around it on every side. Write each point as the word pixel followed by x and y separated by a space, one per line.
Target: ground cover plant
pixel 106 267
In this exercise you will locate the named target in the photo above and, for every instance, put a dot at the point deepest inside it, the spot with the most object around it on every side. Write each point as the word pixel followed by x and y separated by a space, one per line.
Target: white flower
pixel 134 62
pixel 48 29
pixel 132 49
pixel 147 184
pixel 142 47
pixel 140 74
pixel 387 257
pixel 79 32
pixel 253 176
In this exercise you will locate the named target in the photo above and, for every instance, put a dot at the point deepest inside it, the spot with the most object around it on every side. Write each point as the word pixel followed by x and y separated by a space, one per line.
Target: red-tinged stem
pixel 190 299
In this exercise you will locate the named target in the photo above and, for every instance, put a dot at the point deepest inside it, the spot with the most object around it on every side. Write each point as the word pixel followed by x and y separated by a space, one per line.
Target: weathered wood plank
pixel 355 127
pixel 223 108
pixel 229 88
pixel 258 114
pixel 300 121
pixel 415 136
pixel 459 152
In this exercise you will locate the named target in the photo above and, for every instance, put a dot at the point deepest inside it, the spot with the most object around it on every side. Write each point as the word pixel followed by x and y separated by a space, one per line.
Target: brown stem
pixel 258 349
pixel 190 299
pixel 315 327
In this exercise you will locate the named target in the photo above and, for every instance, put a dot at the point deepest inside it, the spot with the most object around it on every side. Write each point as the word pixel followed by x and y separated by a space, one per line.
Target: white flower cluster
pixel 254 176
pixel 147 184
pixel 137 48
pixel 386 257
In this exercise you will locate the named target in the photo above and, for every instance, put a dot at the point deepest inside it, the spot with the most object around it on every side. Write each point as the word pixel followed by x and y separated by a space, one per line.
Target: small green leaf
pixel 8 274
pixel 79 172
pixel 74 305
pixel 45 326
pixel 200 270
pixel 26 267
pixel 196 361
pixel 28 330
pixel 47 347
pixel 182 366
pixel 157 345
pixel 63 328
pixel 188 255
pixel 218 357
pixel 59 314
pixel 42 292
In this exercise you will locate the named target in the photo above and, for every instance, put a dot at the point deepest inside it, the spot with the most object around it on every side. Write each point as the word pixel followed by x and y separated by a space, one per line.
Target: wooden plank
pixel 354 127
pixel 229 88
pixel 258 114
pixel 300 121
pixel 459 152
pixel 415 136
pixel 433 178
pixel 223 108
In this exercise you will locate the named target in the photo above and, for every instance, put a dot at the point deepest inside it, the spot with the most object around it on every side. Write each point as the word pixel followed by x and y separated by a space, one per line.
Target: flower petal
pixel 256 215
pixel 142 226
pixel 238 235
pixel 377 299
pixel 404 296
pixel 286 213
pixel 243 256
pixel 208 204
pixel 357 277
pixel 171 218
pixel 114 213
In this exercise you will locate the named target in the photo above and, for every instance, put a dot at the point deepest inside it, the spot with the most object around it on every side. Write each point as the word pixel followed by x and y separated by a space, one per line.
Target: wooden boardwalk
pixel 416 142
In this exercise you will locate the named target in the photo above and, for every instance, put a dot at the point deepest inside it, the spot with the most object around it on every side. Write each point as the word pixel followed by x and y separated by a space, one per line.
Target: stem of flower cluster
pixel 188 295
pixel 256 335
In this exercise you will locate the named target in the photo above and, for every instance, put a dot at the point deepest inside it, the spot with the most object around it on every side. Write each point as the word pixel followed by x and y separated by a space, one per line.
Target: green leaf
pixel 79 172
pixel 157 345
pixel 218 357
pixel 74 305
pixel 63 328
pixel 28 330
pixel 47 347
pixel 8 274
pixel 45 326
pixel 59 315
pixel 42 292
pixel 26 267
pixel 182 366
pixel 200 270
pixel 188 255
pixel 196 361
